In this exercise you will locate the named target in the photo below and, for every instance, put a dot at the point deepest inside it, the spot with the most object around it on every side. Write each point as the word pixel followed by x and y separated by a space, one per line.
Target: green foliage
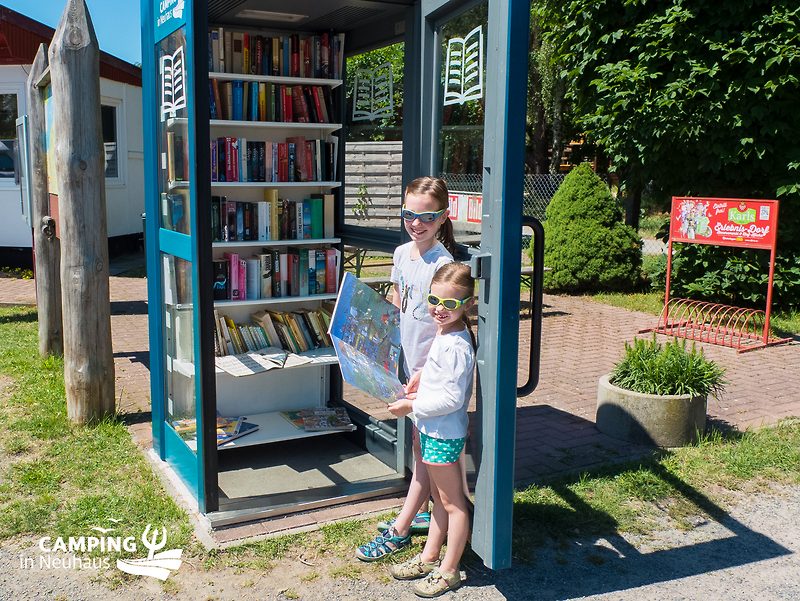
pixel 695 98
pixel 654 269
pixel 587 247
pixel 651 368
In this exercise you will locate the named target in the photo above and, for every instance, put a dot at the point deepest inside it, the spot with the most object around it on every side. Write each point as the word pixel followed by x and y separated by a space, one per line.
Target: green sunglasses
pixel 425 217
pixel 451 304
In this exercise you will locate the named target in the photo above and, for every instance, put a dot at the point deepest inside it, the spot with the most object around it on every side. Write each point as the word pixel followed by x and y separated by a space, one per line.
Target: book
pixel 227 428
pixel 245 428
pixel 464 68
pixel 328 419
pixel 369 363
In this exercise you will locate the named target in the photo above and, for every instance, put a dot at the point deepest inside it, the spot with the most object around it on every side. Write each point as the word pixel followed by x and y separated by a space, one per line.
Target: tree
pixel 692 95
pixel 587 247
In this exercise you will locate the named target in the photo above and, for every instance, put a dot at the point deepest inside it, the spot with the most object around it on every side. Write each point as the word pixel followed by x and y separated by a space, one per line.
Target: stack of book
pixel 293 331
pixel 318 55
pixel 276 273
pixel 272 219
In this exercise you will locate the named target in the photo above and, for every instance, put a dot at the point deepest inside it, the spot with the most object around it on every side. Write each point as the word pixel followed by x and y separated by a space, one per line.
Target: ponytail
pixel 447 238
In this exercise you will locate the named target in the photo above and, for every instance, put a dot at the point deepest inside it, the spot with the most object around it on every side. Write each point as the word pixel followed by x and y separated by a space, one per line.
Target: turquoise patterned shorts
pixel 440 451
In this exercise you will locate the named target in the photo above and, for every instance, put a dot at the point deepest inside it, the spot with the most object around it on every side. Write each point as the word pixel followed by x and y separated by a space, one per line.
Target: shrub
pixel 651 368
pixel 654 270
pixel 587 247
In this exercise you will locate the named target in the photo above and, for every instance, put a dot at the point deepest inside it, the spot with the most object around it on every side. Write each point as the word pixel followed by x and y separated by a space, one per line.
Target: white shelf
pixel 252 243
pixel 278 300
pixel 278 125
pixel 279 79
pixel 273 427
pixel 320 356
pixel 276 184
pixel 247 124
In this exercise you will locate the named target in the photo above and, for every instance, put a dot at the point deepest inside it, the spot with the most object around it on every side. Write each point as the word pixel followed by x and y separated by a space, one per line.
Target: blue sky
pixel 116 22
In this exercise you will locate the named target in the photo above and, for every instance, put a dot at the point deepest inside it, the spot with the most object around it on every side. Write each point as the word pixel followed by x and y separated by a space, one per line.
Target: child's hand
pixel 413 383
pixel 401 407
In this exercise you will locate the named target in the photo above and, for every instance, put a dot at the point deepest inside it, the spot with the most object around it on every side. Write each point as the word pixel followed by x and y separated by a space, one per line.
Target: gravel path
pixel 752 553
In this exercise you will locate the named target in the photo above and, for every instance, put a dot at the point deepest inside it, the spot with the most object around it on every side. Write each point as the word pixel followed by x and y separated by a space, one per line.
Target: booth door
pixel 172 242
pixel 474 75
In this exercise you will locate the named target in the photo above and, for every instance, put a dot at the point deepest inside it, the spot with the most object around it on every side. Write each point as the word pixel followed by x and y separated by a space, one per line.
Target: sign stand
pixel 741 223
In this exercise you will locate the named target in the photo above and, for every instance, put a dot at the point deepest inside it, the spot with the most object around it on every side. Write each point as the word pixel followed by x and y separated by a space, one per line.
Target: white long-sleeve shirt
pixel 440 409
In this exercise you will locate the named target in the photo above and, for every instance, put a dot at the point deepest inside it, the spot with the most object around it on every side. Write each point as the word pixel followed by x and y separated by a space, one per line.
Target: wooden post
pixel 79 152
pixel 45 244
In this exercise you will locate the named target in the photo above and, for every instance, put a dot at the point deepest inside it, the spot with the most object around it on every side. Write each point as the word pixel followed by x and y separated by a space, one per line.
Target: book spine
pixel 233 275
pixel 242 279
pixel 330 270
pixel 265 271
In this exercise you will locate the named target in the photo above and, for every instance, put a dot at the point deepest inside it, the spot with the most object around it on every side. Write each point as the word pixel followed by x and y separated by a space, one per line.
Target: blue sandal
pixel 386 543
pixel 419 525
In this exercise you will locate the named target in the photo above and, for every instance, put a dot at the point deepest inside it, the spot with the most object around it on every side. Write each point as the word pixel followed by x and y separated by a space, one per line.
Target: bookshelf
pixel 274 148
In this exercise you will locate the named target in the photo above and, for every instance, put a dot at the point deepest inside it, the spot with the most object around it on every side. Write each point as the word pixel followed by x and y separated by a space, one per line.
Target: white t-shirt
pixel 413 279
pixel 440 409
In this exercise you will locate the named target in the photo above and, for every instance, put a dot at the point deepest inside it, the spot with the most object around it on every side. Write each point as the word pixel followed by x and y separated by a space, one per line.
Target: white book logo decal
pixel 374 93
pixel 463 79
pixel 173 84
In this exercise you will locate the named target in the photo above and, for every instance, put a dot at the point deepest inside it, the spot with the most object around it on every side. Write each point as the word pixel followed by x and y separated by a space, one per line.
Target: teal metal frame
pixel 197 470
pixel 497 264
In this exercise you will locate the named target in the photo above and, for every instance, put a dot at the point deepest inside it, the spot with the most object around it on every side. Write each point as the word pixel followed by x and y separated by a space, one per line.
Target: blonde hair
pixel 436 188
pixel 458 275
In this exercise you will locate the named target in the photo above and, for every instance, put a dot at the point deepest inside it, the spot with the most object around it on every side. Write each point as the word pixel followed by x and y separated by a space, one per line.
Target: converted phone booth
pixel 235 92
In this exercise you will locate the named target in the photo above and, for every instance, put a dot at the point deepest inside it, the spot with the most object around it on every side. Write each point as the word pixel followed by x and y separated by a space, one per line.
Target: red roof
pixel 20 37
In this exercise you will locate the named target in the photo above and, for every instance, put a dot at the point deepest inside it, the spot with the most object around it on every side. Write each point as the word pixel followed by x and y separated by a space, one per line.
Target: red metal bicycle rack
pixel 735 327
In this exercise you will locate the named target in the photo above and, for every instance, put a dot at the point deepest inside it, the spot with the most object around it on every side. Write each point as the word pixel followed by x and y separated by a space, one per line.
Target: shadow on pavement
pixel 590 557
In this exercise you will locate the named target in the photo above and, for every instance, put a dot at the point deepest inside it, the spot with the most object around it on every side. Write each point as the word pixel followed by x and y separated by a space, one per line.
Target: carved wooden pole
pixel 45 244
pixel 75 80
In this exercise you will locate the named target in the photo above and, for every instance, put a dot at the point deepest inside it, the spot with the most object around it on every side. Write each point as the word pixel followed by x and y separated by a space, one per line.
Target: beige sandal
pixel 437 583
pixel 413 568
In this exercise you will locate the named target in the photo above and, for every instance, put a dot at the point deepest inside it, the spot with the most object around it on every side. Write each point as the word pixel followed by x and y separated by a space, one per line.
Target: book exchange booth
pixel 278 138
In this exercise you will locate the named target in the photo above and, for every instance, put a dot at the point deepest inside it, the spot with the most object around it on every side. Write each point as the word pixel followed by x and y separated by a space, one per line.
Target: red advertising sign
pixel 724 221
pixel 466 206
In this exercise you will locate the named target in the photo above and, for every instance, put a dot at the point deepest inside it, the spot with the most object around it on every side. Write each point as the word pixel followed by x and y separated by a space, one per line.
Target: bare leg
pixel 419 491
pixel 448 494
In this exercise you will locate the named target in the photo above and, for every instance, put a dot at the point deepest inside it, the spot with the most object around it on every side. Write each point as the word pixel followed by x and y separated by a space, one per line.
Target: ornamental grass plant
pixel 649 367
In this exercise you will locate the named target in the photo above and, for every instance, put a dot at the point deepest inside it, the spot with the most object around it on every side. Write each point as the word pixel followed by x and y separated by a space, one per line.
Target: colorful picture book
pixel 325 419
pixel 365 331
pixel 228 429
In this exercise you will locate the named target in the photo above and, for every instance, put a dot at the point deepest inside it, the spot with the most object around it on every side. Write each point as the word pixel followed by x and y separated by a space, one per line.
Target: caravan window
pixel 108 115
pixel 8 135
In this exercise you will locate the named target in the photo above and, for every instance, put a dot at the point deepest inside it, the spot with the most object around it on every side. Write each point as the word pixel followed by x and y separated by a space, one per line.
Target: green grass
pixel 781 323
pixel 60 479
pixel 646 302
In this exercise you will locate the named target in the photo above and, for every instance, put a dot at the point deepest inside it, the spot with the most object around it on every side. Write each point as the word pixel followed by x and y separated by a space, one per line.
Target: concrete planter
pixel 664 421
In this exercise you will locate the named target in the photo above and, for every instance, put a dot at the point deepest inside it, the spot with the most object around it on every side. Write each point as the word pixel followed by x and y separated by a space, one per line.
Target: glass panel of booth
pixel 172 136
pixel 374 148
pixel 462 44
pixel 178 349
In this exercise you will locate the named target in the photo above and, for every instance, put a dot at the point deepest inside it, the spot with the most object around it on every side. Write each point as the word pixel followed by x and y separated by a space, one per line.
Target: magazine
pixel 325 419
pixel 365 329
